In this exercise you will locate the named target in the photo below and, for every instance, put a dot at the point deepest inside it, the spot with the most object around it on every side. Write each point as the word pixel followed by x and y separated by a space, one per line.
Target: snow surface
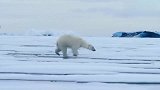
pixel 29 63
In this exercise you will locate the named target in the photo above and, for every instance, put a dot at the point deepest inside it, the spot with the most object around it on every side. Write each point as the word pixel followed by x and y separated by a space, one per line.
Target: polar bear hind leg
pixel 57 51
pixel 75 51
pixel 64 51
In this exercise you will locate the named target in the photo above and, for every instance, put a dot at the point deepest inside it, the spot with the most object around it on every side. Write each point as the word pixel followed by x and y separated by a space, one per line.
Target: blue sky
pixel 87 17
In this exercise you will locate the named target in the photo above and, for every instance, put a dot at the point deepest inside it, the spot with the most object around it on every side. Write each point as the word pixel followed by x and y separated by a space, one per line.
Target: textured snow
pixel 29 63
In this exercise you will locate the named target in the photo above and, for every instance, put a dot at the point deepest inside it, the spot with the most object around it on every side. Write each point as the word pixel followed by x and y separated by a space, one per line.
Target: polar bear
pixel 73 42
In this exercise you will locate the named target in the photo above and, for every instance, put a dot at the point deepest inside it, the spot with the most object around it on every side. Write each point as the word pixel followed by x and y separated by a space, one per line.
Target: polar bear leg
pixel 64 51
pixel 75 51
pixel 57 51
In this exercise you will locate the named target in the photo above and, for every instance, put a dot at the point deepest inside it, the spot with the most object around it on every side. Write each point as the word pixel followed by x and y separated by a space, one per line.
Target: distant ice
pixel 34 32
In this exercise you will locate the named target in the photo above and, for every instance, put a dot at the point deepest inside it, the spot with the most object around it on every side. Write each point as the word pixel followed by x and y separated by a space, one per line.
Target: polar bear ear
pixel 90 47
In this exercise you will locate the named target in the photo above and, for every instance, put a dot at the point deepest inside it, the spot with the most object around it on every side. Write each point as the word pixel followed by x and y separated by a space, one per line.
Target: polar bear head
pixel 91 47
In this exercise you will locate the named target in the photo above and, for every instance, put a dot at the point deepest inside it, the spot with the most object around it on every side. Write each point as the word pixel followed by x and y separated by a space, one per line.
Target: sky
pixel 86 17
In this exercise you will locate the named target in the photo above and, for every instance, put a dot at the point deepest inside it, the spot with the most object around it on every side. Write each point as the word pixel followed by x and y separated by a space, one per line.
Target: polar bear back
pixel 70 41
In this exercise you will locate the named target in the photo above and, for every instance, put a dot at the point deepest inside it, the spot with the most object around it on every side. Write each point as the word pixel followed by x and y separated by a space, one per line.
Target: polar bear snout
pixel 93 49
pixel 90 47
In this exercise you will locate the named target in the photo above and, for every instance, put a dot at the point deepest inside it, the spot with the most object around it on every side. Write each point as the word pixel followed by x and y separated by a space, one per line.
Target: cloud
pixel 123 8
pixel 98 0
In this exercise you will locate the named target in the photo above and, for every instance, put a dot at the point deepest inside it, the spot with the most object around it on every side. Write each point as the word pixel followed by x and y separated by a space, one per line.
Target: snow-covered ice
pixel 29 63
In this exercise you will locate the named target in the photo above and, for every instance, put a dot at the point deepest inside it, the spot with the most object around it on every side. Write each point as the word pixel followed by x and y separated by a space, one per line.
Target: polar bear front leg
pixel 64 51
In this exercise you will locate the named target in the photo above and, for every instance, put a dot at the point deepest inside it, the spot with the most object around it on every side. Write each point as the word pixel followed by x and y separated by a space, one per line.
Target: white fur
pixel 73 42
